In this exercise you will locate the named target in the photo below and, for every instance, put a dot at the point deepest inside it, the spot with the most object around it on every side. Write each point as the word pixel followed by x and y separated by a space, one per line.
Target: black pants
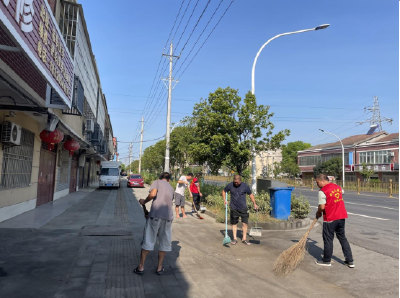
pixel 329 230
pixel 196 200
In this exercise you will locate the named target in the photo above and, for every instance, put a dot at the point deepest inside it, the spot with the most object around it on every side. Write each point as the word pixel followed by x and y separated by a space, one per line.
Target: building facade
pixel 54 124
pixel 378 152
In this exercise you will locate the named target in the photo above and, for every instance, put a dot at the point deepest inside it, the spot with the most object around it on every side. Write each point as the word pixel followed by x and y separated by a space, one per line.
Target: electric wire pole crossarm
pixel 253 164
pixel 170 79
pixel 343 172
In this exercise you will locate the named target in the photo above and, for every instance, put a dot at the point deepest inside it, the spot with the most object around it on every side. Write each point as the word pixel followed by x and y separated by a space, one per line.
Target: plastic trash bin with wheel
pixel 281 200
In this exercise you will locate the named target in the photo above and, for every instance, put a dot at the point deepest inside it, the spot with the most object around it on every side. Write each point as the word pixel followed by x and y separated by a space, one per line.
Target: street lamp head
pixel 321 130
pixel 324 26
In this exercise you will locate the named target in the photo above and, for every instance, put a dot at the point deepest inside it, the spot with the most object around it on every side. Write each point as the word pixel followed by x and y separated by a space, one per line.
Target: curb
pixel 271 226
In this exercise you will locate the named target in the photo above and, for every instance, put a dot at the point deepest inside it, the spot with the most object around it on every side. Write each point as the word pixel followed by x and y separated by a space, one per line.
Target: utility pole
pixel 130 156
pixel 170 79
pixel 141 146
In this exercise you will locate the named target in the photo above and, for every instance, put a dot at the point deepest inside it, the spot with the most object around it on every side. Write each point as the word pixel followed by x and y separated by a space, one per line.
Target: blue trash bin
pixel 281 198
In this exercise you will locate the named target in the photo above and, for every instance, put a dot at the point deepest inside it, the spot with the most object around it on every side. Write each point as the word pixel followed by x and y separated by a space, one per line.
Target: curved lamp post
pixel 324 26
pixel 329 133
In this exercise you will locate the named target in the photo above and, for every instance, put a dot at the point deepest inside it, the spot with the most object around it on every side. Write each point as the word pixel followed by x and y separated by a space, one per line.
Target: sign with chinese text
pixel 377 168
pixel 33 26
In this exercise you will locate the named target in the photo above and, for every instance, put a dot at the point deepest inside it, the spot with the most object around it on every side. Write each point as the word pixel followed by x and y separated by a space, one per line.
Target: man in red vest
pixel 331 205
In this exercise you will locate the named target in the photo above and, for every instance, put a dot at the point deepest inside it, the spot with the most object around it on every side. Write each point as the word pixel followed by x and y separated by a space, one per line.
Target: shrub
pixel 300 207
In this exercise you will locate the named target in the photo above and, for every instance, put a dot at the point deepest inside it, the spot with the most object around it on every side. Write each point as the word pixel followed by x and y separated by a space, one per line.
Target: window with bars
pixel 17 162
pixel 312 160
pixel 375 157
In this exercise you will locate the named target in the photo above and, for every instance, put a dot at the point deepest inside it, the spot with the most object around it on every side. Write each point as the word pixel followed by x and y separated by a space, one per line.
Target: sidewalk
pixel 91 247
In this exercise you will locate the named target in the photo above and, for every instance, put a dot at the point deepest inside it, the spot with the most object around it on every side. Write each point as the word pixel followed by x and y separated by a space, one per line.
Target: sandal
pixel 234 242
pixel 160 272
pixel 137 271
pixel 246 242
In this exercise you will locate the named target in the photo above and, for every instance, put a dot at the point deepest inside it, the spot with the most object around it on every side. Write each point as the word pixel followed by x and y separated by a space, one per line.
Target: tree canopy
pixel 331 167
pixel 289 157
pixel 227 128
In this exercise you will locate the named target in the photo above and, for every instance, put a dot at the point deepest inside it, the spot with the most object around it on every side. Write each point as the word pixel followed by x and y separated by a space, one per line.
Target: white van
pixel 109 175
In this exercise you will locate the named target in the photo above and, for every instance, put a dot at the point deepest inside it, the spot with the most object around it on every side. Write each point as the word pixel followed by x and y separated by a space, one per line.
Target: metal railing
pixel 359 186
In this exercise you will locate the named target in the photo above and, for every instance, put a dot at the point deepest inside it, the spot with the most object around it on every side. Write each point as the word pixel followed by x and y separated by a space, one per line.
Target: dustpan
pixel 256 231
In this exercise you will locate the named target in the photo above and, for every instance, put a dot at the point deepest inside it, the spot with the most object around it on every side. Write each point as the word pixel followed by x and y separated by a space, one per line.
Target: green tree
pixel 153 157
pixel 181 139
pixel 366 172
pixel 134 167
pixel 227 129
pixel 289 157
pixel 277 169
pixel 331 167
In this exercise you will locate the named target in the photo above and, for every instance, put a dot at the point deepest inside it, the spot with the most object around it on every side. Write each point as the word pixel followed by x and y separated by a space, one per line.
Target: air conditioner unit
pixel 391 153
pixel 89 125
pixel 10 133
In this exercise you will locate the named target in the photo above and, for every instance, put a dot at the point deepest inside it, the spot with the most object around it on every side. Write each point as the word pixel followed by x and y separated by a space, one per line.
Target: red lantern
pixel 71 146
pixel 51 137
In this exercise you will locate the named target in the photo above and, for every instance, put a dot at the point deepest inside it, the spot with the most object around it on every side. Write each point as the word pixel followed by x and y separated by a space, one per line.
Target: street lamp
pixel 342 152
pixel 175 125
pixel 320 27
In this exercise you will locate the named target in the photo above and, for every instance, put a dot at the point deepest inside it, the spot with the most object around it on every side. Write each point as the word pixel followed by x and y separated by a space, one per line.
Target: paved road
pixel 86 245
pixel 373 221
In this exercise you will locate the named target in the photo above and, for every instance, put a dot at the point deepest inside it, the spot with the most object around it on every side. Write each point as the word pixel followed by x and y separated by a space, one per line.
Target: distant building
pixel 379 151
pixel 265 162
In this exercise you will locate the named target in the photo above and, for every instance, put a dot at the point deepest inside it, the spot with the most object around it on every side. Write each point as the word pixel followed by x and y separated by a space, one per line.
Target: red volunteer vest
pixel 193 188
pixel 334 207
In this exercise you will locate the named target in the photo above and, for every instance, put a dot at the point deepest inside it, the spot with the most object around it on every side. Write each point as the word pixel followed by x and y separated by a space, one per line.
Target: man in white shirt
pixel 182 184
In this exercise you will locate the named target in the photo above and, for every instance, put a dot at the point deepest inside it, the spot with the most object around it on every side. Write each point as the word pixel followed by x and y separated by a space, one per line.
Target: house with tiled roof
pixel 379 151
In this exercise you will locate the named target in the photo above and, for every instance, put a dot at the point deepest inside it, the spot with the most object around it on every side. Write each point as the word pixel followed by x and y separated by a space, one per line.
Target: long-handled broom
pixel 288 261
pixel 227 239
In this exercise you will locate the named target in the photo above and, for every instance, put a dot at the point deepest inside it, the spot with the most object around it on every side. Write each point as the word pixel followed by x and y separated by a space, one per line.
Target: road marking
pixel 362 215
pixel 346 202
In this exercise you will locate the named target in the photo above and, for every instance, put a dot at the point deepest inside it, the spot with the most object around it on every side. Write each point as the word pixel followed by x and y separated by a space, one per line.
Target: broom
pixel 227 239
pixel 288 261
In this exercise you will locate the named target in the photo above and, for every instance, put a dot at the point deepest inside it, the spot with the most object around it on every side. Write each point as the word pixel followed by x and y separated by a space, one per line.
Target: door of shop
pixel 47 168
pixel 74 176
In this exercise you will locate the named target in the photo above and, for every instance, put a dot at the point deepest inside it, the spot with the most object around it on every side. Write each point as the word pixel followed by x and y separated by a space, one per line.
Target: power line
pixel 187 23
pixel 201 34
pixel 143 141
pixel 194 28
pixel 207 37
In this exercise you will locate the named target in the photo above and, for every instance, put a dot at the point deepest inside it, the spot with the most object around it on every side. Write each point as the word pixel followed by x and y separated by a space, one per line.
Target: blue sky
pixel 317 79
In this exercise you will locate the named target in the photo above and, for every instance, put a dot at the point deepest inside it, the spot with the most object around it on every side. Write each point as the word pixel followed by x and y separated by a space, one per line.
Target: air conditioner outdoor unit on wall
pixel 10 133
pixel 391 153
pixel 89 125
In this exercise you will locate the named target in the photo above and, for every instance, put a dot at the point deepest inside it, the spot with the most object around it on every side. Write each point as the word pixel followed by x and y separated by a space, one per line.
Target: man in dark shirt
pixel 238 205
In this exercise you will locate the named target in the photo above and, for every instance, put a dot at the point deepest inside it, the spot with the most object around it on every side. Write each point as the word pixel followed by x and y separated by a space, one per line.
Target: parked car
pixel 135 180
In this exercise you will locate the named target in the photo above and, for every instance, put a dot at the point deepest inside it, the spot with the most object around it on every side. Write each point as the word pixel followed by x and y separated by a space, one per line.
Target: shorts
pixel 179 199
pixel 163 228
pixel 243 214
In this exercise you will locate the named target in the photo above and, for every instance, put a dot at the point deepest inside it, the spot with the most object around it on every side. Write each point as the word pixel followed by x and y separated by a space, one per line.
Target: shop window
pixel 17 162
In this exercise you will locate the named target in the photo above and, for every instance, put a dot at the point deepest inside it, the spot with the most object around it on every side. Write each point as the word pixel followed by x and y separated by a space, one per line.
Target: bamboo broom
pixel 288 261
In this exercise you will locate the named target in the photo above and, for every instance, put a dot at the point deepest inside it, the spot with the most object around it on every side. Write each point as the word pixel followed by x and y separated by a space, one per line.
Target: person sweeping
pixel 331 206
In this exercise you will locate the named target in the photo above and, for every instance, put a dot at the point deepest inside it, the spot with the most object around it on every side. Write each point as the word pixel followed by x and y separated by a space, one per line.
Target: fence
pixel 358 186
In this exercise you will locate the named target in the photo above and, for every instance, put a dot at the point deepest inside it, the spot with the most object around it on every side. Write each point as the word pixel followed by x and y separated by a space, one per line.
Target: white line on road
pixel 362 215
pixel 346 202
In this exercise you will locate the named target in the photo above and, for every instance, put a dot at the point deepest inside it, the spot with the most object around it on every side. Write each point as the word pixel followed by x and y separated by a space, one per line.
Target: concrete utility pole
pixel 170 79
pixel 130 156
pixel 141 146
pixel 253 71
